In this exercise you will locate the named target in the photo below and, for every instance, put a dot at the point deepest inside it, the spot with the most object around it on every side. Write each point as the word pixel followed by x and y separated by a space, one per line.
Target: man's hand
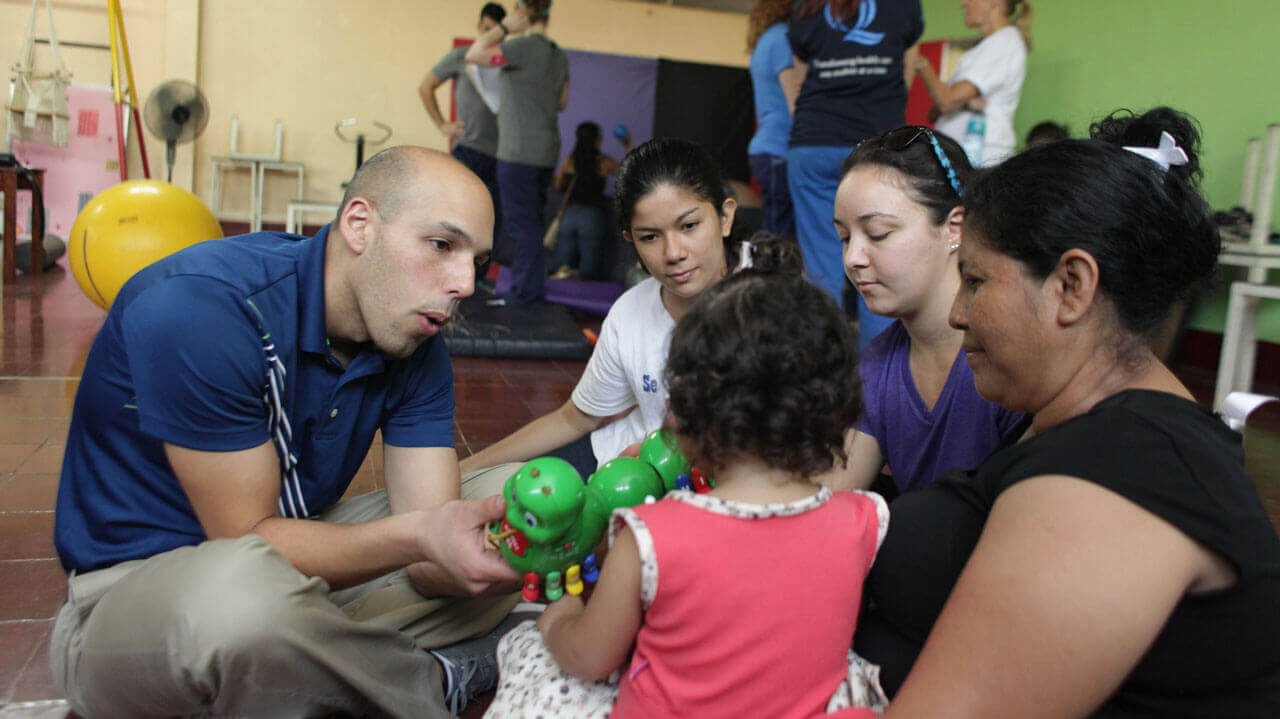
pixel 454 539
pixel 454 130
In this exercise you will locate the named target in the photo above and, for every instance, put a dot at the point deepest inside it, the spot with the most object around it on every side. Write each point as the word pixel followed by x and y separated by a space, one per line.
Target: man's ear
pixel 356 224
pixel 1075 281
pixel 727 211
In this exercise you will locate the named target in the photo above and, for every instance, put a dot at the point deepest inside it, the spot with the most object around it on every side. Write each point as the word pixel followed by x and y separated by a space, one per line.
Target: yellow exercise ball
pixel 127 227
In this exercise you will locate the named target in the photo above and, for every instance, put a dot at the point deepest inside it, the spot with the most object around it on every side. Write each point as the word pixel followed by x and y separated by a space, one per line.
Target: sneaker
pixel 565 273
pixel 471 666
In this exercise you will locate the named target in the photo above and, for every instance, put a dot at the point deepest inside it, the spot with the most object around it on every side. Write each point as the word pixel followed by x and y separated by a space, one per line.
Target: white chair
pixel 1240 339
pixel 293 219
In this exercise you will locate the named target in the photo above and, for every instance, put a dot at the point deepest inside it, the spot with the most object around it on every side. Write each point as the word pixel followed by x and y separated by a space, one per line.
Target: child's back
pixel 741 602
pixel 749 609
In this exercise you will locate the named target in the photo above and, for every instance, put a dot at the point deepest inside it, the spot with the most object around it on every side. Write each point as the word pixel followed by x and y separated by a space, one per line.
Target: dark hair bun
pixel 770 254
pixel 1148 228
pixel 1126 129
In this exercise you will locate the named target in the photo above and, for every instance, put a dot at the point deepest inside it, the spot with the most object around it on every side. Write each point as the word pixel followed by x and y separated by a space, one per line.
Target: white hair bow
pixel 747 255
pixel 1164 154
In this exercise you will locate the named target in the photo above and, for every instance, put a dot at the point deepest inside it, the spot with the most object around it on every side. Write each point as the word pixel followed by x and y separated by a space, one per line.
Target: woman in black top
pixel 1116 561
pixel 584 222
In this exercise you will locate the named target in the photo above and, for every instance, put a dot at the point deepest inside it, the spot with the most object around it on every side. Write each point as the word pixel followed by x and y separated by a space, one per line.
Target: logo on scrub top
pixel 858 33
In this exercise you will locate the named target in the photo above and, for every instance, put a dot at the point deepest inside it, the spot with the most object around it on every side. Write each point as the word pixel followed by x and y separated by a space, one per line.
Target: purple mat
pixel 586 295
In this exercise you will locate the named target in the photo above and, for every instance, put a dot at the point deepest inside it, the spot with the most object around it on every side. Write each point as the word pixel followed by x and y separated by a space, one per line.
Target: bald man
pixel 226 404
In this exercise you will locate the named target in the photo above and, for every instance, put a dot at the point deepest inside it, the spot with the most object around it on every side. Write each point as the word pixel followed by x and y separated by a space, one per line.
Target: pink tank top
pixel 749 610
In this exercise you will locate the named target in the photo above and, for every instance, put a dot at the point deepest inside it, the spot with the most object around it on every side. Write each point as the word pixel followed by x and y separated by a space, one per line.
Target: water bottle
pixel 975 134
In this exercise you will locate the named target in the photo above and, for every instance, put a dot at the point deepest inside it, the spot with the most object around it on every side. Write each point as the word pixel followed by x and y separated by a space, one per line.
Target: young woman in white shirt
pixel 673 209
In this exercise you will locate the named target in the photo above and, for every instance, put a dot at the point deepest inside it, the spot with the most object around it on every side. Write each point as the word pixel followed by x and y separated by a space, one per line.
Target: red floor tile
pixel 467 392
pixel 510 408
pixel 13 455
pixel 46 460
pixel 539 407
pixel 31 387
pixel 28 493
pixel 546 390
pixel 36 681
pixel 482 433
pixel 31 589
pixel 20 640
pixel 26 535
pixel 39 406
pixel 32 431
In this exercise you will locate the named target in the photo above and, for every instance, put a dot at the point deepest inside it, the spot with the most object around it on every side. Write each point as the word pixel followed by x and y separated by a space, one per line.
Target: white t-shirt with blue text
pixel 626 369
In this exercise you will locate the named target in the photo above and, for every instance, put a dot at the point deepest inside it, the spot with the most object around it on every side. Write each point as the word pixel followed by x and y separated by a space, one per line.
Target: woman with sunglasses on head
pixel 898 214
pixel 1116 561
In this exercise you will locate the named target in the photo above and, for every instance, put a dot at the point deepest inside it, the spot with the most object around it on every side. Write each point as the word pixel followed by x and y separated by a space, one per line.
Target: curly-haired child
pixel 734 601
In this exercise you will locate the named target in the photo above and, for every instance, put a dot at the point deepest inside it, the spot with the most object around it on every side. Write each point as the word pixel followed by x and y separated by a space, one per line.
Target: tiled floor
pixel 48 326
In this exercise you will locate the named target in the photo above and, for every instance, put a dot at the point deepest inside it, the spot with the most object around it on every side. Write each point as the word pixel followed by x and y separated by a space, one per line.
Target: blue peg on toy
pixel 590 572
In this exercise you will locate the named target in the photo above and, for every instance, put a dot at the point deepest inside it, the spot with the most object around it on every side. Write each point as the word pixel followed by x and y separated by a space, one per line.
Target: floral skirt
pixel 531 685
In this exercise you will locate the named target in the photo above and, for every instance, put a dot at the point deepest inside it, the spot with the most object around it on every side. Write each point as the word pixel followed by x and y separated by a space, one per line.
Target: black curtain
pixel 709 104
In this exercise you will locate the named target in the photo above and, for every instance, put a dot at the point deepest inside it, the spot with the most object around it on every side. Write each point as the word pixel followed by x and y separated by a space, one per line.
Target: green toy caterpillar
pixel 554 521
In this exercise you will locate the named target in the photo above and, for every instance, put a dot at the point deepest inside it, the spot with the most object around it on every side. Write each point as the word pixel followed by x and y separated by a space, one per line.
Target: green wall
pixel 1218 60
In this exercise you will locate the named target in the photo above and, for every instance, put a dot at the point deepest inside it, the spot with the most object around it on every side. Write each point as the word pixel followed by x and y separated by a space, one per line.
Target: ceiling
pixel 738 6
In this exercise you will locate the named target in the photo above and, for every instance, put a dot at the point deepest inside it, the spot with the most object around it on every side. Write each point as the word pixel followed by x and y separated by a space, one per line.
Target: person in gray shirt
pixel 533 89
pixel 475 133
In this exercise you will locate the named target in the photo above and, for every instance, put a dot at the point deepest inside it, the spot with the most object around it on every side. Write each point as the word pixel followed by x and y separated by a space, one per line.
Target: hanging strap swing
pixel 38 107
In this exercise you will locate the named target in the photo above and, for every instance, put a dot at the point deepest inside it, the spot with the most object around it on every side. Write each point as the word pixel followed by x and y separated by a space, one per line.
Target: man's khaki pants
pixel 230 628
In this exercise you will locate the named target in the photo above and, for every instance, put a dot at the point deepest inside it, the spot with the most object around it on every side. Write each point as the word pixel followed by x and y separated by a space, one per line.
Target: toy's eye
pixel 530 520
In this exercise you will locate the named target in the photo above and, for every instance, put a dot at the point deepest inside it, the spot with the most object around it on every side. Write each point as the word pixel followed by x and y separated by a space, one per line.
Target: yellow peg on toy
pixel 573 580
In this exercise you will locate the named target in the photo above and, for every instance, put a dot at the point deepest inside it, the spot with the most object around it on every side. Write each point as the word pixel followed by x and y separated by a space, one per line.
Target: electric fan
pixel 175 111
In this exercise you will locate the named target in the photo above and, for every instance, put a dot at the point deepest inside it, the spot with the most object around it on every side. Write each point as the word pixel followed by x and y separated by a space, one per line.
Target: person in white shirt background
pixel 977 105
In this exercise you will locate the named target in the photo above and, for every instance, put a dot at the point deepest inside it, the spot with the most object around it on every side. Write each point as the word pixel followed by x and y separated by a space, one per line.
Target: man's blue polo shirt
pixel 222 347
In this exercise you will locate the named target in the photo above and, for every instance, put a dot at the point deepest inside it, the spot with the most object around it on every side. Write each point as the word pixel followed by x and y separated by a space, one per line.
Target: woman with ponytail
pixel 672 208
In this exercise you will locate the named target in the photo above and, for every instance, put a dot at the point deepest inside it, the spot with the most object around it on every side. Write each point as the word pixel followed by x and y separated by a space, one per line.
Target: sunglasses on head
pixel 901 138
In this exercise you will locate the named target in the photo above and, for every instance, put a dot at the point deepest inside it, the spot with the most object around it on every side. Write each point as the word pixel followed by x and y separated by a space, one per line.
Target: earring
pixel 955 245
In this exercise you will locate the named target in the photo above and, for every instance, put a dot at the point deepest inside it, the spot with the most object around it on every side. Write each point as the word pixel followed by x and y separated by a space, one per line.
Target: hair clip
pixel 747 255
pixel 1164 154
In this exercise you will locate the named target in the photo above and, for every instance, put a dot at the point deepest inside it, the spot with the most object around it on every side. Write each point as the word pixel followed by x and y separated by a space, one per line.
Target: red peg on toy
pixel 699 480
pixel 531 587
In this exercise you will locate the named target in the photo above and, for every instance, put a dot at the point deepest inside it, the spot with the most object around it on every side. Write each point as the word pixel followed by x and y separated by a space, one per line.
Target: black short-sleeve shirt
pixel 1219 653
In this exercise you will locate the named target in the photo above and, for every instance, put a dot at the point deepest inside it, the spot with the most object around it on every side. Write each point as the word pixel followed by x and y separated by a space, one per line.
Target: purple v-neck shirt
pixel 921 445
